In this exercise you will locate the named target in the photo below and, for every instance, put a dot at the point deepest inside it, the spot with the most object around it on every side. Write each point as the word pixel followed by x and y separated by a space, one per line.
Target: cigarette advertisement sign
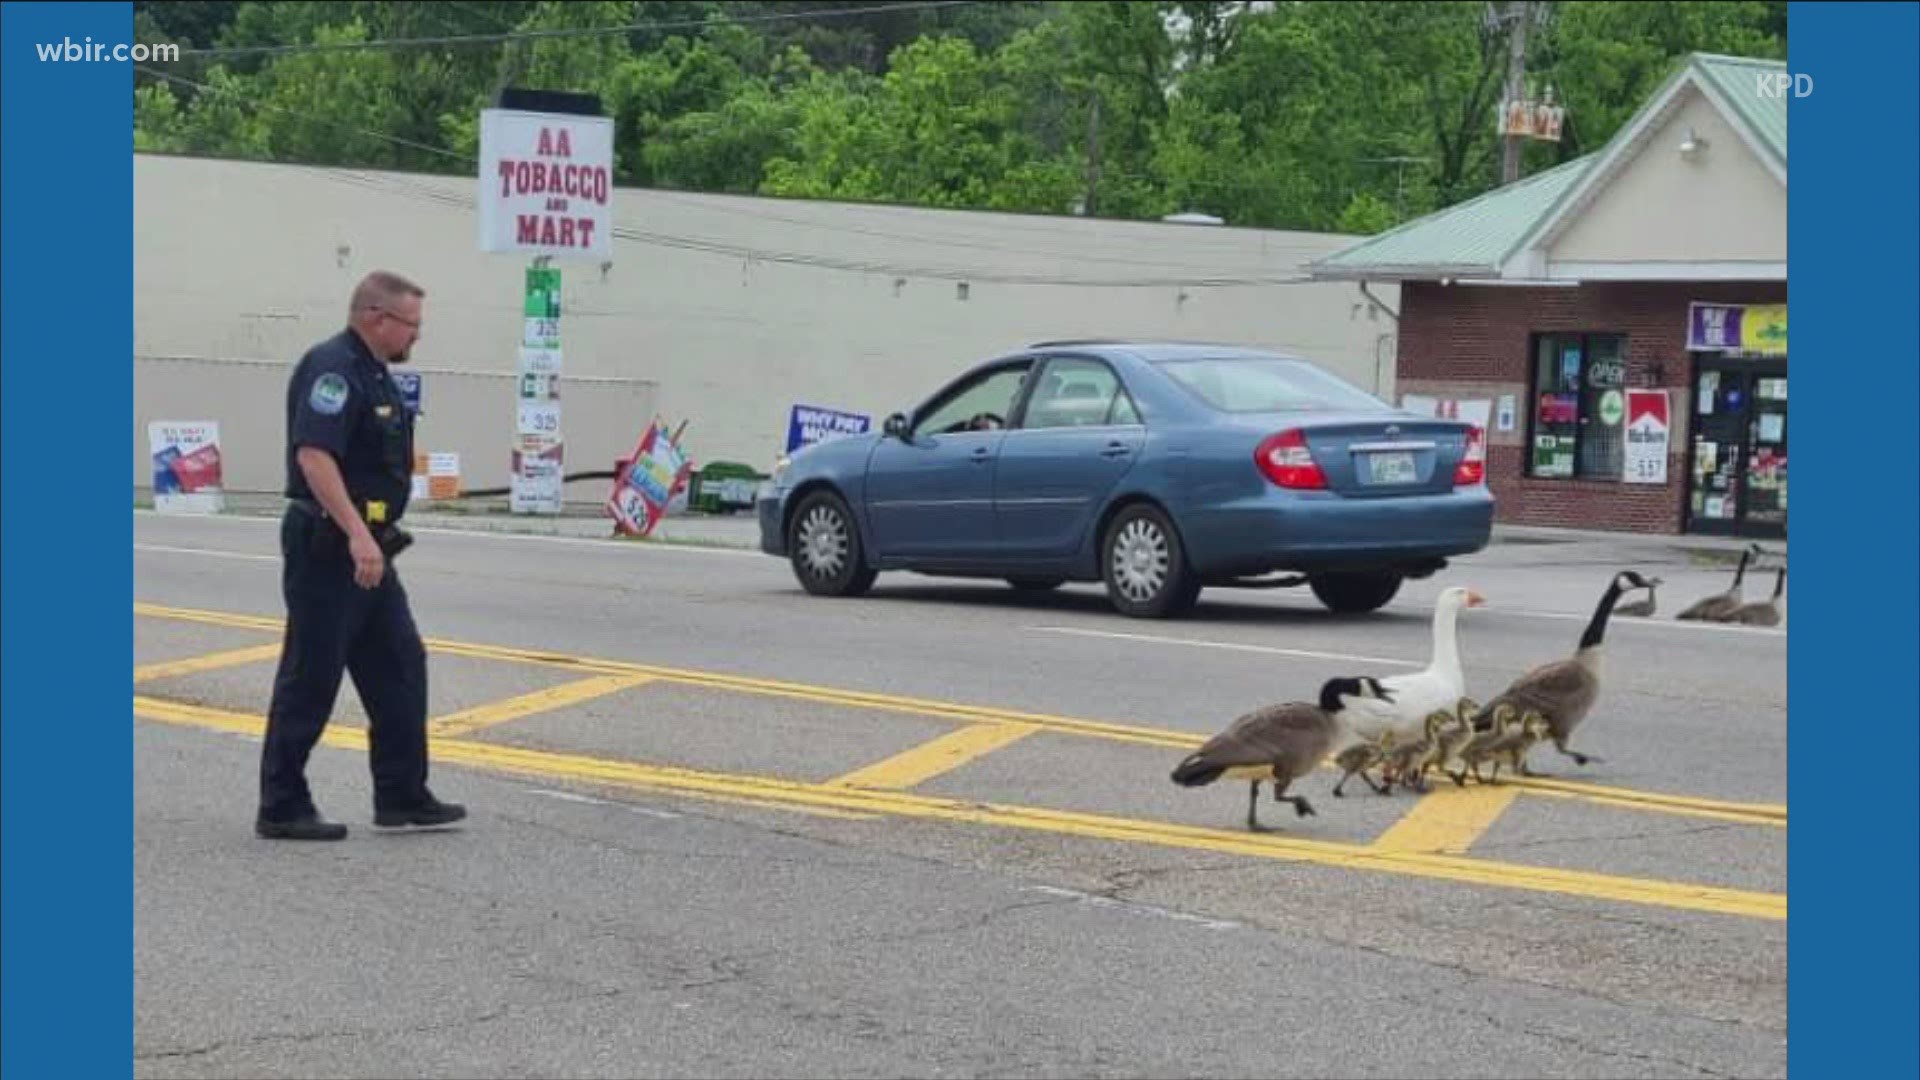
pixel 645 488
pixel 1648 428
pixel 186 467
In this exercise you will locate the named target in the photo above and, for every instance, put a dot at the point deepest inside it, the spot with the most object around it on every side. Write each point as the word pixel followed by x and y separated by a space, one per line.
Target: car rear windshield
pixel 1257 385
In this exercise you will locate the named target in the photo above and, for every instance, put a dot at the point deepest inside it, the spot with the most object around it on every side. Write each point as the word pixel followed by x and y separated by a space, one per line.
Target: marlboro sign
pixel 1648 428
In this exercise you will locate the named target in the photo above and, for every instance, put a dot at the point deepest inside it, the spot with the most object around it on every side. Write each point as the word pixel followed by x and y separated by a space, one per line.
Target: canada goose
pixel 1502 725
pixel 1564 691
pixel 1280 743
pixel 1447 732
pixel 1532 728
pixel 1453 737
pixel 1356 760
pixel 1641 608
pixel 1411 755
pixel 1761 612
pixel 1436 688
pixel 1720 605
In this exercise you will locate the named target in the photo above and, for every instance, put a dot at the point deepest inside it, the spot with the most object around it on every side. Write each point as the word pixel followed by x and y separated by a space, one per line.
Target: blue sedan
pixel 1158 469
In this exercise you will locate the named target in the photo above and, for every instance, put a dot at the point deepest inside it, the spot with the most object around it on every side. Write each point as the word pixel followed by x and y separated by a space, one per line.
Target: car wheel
pixel 824 546
pixel 1355 593
pixel 1145 565
pixel 1036 584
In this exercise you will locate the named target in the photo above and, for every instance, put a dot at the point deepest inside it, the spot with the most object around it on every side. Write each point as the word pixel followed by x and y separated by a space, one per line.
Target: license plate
pixel 1390 468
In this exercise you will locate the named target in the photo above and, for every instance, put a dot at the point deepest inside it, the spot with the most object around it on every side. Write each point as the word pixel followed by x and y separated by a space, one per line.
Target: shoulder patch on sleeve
pixel 329 394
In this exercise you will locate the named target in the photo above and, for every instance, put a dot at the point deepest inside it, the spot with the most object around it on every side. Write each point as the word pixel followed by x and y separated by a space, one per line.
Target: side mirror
pixel 896 427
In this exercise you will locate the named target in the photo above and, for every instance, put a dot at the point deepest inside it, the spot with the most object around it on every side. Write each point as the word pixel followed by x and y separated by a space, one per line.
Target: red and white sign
pixel 646 487
pixel 1649 427
pixel 546 184
pixel 186 467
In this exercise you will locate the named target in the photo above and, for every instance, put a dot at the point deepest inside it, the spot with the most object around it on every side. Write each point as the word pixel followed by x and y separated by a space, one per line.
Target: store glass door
pixel 1737 457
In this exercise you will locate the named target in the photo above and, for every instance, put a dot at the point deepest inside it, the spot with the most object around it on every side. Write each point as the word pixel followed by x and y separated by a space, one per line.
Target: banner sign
pixel 408 383
pixel 1754 328
pixel 546 184
pixel 1649 426
pixel 186 467
pixel 807 425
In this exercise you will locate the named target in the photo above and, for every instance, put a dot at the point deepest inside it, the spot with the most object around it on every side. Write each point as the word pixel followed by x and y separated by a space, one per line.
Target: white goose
pixel 1437 688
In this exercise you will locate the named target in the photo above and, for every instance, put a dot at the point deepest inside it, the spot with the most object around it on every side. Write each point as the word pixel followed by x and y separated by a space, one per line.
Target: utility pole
pixel 1093 157
pixel 1517 14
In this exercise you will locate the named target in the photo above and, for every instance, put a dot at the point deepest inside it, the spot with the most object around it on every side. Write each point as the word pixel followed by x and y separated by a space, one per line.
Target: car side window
pixel 1076 393
pixel 982 404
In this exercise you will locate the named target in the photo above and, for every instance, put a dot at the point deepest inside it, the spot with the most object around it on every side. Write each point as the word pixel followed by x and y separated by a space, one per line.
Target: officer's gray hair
pixel 380 289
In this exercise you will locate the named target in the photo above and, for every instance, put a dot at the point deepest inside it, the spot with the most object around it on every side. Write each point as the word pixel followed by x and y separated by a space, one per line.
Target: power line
pixel 587 31
pixel 749 254
pixel 255 103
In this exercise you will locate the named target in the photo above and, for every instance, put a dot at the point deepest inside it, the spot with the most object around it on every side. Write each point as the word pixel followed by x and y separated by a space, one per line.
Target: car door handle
pixel 1116 449
pixel 981 454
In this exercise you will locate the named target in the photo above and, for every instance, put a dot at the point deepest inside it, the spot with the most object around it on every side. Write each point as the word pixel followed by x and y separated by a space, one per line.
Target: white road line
pixel 482 534
pixel 568 796
pixel 693 549
pixel 1128 905
pixel 206 551
pixel 1614 623
pixel 1154 640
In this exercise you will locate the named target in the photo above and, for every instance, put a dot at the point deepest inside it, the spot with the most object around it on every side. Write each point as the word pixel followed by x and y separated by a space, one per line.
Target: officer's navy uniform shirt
pixel 342 400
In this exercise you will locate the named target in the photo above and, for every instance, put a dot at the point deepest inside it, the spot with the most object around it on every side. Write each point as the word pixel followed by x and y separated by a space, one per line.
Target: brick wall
pixel 1472 340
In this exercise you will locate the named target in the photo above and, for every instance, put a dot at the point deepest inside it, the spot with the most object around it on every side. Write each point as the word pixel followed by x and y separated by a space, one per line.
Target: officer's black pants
pixel 334 626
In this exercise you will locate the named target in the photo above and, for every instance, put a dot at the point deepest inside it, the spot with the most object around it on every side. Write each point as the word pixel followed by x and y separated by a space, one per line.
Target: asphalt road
pixel 723 828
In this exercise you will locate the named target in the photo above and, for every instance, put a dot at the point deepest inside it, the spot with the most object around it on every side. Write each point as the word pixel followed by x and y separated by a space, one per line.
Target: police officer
pixel 349 474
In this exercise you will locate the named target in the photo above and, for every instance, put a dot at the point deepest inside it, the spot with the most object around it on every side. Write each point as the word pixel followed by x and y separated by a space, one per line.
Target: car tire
pixel 823 544
pixel 1036 584
pixel 1355 593
pixel 1145 565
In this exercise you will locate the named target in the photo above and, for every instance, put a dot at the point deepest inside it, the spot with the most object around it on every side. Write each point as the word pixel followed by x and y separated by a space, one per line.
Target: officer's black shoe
pixel 311 827
pixel 431 814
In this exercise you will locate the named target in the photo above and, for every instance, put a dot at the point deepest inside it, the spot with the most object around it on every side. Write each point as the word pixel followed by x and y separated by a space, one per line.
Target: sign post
pixel 546 190
pixel 539 450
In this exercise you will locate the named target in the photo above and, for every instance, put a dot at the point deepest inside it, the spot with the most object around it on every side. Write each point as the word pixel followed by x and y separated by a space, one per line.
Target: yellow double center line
pixel 1427 843
pixel 1002 721
pixel 835 797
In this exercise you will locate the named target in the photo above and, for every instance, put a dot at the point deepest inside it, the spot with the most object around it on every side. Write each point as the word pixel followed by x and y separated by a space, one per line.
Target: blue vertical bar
pixel 66 414
pixel 1851 672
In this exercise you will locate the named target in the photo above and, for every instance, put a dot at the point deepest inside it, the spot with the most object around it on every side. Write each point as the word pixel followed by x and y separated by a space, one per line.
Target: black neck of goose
pixel 1597 628
pixel 1330 696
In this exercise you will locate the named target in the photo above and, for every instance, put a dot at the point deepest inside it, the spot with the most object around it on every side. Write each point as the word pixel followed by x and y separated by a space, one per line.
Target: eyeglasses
pixel 411 324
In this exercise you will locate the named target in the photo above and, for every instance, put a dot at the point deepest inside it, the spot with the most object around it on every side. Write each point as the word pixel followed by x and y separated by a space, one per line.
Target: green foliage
pixel 1310 115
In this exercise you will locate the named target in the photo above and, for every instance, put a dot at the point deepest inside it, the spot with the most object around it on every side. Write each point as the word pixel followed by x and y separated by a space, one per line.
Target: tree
pixel 1605 58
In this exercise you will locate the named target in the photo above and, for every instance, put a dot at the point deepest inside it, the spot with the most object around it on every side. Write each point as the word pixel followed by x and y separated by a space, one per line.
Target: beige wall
pixel 721 312
pixel 1723 206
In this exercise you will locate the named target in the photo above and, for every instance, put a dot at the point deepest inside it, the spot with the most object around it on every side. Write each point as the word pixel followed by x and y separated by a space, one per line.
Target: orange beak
pixel 1474 599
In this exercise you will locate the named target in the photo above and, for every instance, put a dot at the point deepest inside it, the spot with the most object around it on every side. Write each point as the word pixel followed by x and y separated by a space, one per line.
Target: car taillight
pixel 1473 464
pixel 1285 460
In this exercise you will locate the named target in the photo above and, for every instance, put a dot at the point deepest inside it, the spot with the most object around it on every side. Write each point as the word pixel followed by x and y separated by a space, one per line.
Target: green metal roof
pixel 1477 236
pixel 1737 80
pixel 1470 237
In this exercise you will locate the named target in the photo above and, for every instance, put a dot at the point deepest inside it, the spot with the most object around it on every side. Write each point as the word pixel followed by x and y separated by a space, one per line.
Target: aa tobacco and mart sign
pixel 546 183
